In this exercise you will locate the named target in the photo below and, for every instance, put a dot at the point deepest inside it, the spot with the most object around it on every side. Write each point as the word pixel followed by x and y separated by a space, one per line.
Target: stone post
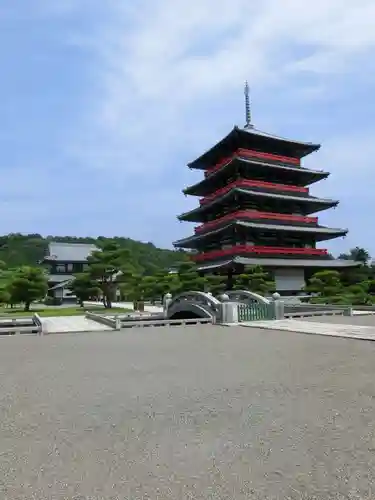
pixel 348 311
pixel 229 311
pixel 167 299
pixel 278 305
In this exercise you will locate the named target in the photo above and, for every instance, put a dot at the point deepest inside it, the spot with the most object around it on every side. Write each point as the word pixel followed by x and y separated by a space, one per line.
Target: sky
pixel 104 102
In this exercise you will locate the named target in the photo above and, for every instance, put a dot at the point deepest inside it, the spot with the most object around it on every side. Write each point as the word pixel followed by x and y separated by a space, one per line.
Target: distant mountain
pixel 19 249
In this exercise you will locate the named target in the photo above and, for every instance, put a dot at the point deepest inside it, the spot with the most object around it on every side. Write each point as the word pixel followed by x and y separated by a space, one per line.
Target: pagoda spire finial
pixel 247 105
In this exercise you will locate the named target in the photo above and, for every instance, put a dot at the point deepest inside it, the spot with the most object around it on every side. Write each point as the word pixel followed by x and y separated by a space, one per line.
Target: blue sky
pixel 104 103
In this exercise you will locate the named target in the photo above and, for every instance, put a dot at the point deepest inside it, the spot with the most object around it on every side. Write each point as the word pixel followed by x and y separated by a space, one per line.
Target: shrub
pixel 52 301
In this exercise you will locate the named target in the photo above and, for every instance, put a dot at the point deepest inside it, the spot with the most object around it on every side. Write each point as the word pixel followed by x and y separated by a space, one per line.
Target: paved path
pixel 66 324
pixel 127 305
pixel 318 328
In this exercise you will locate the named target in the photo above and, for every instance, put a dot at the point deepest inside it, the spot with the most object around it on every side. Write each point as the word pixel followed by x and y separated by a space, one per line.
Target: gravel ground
pixel 186 413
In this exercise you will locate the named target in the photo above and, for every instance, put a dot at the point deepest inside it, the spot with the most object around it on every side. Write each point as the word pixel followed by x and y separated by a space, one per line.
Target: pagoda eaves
pixel 320 233
pixel 311 203
pixel 298 176
pixel 274 263
pixel 252 138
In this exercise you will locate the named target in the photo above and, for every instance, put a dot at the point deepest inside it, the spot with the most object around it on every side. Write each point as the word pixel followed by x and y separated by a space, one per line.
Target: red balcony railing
pixel 259 250
pixel 249 153
pixel 244 183
pixel 219 164
pixel 254 215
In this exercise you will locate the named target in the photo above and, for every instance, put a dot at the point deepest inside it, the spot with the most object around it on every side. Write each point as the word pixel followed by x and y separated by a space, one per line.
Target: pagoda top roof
pixel 254 137
pixel 255 131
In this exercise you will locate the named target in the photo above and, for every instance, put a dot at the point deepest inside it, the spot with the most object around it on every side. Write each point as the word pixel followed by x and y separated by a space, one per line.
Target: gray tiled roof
pixel 287 168
pixel 214 265
pixel 59 278
pixel 62 284
pixel 279 262
pixel 318 230
pixel 322 202
pixel 305 147
pixel 70 252
pixel 298 262
pixel 254 131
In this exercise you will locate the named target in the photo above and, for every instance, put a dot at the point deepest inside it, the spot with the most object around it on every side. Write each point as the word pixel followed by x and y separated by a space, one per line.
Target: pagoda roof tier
pixel 252 138
pixel 278 262
pixel 297 175
pixel 260 217
pixel 320 233
pixel 259 186
pixel 310 203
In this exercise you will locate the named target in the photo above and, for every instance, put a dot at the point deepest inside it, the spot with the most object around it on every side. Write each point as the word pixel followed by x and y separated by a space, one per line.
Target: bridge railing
pixel 320 312
pixel 25 325
pixel 256 312
pixel 247 296
pixel 201 298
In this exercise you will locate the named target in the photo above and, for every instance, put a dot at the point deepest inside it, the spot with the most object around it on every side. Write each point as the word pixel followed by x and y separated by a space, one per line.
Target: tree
pixel 358 254
pixel 355 275
pixel 4 296
pixel 189 278
pixel 333 287
pixel 110 267
pixel 27 285
pixel 169 283
pixel 216 283
pixel 255 280
pixel 325 283
pixel 27 250
pixel 371 287
pixel 84 287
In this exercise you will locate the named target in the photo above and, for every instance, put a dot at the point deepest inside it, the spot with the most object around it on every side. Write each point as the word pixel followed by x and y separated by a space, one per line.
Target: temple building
pixel 256 208
pixel 63 261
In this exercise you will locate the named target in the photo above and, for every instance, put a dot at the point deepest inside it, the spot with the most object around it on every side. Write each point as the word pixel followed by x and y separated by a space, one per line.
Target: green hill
pixel 18 249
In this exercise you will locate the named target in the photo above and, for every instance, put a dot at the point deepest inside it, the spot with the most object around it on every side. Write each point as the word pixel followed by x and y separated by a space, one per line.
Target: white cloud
pixel 162 58
pixel 204 46
pixel 162 70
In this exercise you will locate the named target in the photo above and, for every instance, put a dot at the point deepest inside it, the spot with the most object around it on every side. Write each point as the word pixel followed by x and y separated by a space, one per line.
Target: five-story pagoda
pixel 256 208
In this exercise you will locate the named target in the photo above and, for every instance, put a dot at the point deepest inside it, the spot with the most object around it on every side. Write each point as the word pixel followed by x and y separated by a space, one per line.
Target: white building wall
pixel 289 279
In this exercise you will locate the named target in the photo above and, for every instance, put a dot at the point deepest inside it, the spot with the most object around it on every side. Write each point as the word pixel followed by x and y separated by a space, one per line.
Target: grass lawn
pixel 60 311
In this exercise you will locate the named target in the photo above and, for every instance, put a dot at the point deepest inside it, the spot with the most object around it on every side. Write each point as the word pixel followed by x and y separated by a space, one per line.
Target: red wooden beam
pixel 259 250
pixel 244 183
pixel 249 153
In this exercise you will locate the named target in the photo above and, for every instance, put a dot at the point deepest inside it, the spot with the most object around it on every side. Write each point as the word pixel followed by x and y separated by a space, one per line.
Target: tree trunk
pixel 230 280
pixel 107 302
pixel 27 306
